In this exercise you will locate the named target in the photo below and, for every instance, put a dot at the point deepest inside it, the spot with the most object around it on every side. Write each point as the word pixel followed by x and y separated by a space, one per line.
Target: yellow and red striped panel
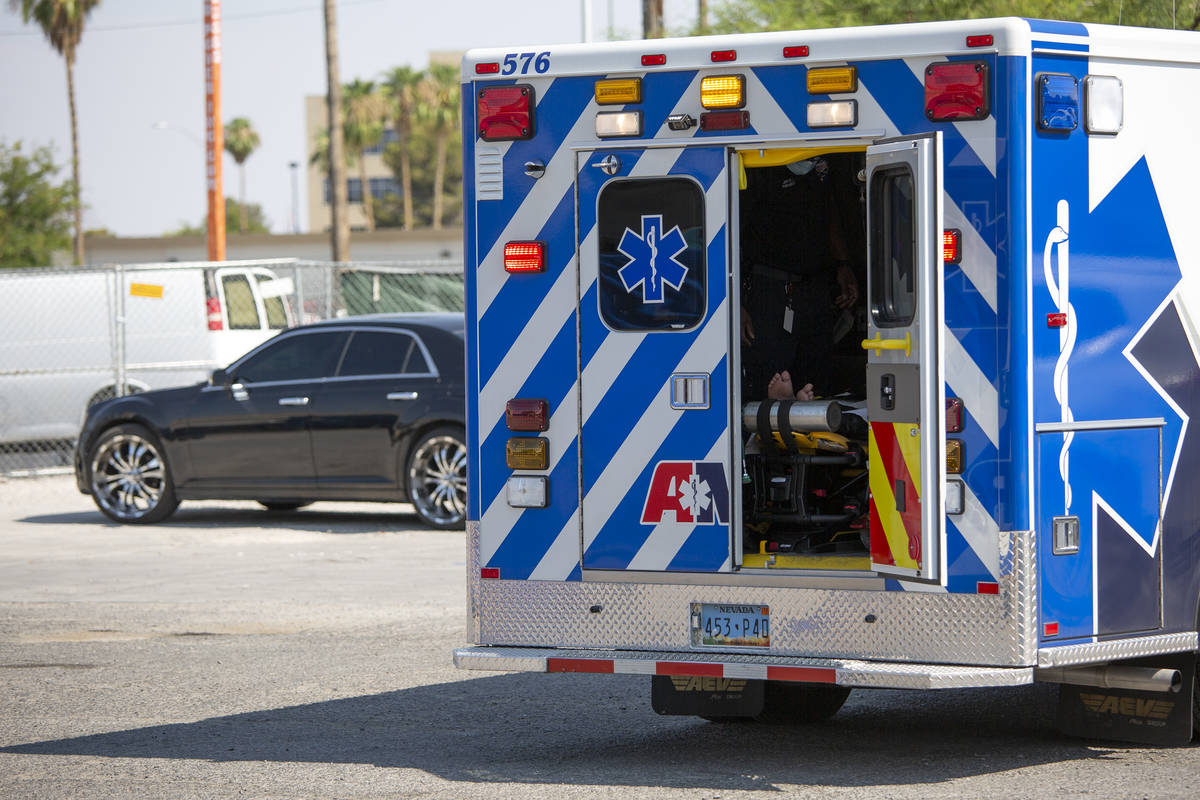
pixel 895 458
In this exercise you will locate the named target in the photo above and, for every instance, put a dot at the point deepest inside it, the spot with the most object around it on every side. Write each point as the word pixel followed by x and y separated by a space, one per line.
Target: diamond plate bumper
pixel 843 672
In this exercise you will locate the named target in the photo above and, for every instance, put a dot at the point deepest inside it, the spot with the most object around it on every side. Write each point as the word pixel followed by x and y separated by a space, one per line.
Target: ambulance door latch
pixel 887 392
pixel 689 390
pixel 535 169
pixel 610 165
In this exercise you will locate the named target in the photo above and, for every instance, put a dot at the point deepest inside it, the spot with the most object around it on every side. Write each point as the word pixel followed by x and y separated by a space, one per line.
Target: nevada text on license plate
pixel 734 625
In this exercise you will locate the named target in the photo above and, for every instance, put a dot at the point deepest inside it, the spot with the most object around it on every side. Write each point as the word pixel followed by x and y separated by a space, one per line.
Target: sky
pixel 139 83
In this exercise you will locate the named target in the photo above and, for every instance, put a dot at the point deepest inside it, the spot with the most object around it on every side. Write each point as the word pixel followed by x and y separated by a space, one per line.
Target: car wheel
pixel 437 478
pixel 130 478
pixel 278 505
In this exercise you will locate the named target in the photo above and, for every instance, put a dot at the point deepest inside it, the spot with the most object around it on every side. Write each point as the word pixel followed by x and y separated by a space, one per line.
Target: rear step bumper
pixel 843 672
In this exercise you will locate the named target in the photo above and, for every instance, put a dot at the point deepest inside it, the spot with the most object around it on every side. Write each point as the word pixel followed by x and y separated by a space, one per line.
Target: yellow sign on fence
pixel 145 290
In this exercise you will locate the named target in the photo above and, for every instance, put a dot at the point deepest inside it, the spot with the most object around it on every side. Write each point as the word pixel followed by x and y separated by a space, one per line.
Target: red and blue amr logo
pixel 693 492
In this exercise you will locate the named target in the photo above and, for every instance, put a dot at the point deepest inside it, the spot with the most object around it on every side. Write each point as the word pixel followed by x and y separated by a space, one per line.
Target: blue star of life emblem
pixel 652 261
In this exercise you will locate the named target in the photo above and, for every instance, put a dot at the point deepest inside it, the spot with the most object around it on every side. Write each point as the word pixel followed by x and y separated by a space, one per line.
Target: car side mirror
pixel 219 377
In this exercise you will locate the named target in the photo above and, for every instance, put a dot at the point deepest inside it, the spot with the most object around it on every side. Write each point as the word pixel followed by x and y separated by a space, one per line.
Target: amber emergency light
pixel 723 91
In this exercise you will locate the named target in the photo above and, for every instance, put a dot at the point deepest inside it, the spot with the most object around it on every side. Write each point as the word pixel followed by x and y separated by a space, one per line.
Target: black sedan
pixel 361 408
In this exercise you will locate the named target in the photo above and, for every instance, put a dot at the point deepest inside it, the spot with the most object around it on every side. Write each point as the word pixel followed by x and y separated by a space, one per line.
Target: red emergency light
pixel 505 113
pixel 490 68
pixel 954 415
pixel 719 56
pixel 724 120
pixel 525 257
pixel 654 60
pixel 983 40
pixel 951 251
pixel 957 91
pixel 527 414
pixel 799 51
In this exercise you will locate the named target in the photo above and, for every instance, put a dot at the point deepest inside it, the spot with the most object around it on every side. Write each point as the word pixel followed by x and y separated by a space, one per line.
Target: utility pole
pixel 214 142
pixel 337 150
pixel 702 17
pixel 652 19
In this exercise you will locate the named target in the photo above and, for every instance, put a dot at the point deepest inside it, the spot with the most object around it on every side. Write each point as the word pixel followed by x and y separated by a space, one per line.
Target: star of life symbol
pixel 652 261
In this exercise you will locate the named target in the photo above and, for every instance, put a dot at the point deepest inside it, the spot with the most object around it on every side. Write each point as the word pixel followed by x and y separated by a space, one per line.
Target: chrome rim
pixel 128 476
pixel 437 480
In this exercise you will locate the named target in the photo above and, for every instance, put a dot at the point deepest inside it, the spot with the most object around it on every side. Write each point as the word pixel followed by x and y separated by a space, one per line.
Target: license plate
pixel 719 625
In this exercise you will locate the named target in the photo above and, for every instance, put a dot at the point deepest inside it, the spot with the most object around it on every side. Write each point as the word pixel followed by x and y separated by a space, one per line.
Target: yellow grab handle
pixel 879 344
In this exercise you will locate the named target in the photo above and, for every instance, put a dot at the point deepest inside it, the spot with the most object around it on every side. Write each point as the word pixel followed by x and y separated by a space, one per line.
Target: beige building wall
pixel 320 213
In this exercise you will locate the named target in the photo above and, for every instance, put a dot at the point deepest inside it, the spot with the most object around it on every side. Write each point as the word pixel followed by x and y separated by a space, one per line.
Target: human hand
pixel 747 328
pixel 847 287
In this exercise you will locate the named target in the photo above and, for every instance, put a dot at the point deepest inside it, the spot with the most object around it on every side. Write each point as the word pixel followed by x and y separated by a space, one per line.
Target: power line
pixel 282 12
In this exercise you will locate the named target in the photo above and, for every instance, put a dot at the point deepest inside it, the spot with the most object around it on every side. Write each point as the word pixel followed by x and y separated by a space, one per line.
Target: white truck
pixel 71 337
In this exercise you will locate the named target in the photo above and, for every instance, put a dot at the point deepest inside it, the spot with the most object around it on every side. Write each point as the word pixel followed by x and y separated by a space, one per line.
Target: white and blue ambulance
pixel 979 241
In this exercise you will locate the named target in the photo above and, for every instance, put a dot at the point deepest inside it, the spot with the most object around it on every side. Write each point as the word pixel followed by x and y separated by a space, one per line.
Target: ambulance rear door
pixel 905 389
pixel 654 359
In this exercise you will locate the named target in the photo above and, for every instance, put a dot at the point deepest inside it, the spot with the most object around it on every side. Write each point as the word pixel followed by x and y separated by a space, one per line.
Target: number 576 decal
pixel 519 62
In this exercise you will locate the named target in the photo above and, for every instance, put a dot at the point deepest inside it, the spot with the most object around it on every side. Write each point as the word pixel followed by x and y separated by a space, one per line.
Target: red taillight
pixel 987 587
pixel 956 90
pixel 724 120
pixel 799 51
pixel 489 572
pixel 655 60
pixel 213 306
pixel 954 415
pixel 487 69
pixel 951 252
pixel 1050 629
pixel 527 414
pixel 505 113
pixel 525 257
pixel 719 56
pixel 984 40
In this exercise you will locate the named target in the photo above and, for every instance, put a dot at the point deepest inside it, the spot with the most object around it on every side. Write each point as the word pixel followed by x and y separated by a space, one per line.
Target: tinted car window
pixel 276 311
pixel 378 353
pixel 298 357
pixel 239 299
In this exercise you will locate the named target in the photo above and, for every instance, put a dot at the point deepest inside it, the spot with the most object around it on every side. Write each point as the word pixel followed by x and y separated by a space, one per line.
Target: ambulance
pixel 994 480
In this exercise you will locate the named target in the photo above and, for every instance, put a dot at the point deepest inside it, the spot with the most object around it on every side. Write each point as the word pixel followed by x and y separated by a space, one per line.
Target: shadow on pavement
pixel 598 730
pixel 390 516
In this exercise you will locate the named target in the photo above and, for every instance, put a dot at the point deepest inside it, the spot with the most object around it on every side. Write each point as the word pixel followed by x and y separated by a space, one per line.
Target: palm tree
pixel 62 22
pixel 336 161
pixel 366 107
pixel 439 94
pixel 401 85
pixel 240 141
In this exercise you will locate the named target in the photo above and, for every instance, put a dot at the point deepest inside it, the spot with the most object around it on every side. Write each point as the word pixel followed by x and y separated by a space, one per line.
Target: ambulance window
pixel 893 247
pixel 652 262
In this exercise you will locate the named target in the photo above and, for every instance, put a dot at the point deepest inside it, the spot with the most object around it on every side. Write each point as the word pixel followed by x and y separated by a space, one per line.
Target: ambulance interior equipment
pixel 804 466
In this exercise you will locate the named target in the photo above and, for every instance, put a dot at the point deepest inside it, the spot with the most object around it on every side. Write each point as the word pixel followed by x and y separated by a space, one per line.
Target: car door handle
pixel 402 396
pixel 293 401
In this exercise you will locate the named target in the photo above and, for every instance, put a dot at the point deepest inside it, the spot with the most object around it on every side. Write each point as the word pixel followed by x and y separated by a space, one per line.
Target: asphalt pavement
pixel 235 652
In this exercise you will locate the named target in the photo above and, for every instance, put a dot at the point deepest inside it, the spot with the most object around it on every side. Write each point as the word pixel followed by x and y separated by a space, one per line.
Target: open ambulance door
pixel 654 359
pixel 905 394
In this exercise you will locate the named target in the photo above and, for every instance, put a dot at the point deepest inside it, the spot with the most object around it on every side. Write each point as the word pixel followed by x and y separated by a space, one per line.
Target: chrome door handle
pixel 293 401
pixel 239 392
pixel 402 396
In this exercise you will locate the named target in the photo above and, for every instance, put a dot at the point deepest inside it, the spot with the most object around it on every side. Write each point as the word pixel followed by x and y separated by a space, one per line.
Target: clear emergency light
pixel 505 113
pixel 618 123
pixel 527 491
pixel 836 114
pixel 723 91
pixel 957 90
pixel 1103 104
pixel 1058 102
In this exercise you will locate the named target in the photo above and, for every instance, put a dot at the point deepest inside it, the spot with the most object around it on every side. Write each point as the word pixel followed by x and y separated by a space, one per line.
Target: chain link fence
pixel 72 337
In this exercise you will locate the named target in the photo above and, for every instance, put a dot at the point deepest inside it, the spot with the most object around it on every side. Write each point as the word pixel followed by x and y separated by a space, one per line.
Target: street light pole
pixel 295 165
